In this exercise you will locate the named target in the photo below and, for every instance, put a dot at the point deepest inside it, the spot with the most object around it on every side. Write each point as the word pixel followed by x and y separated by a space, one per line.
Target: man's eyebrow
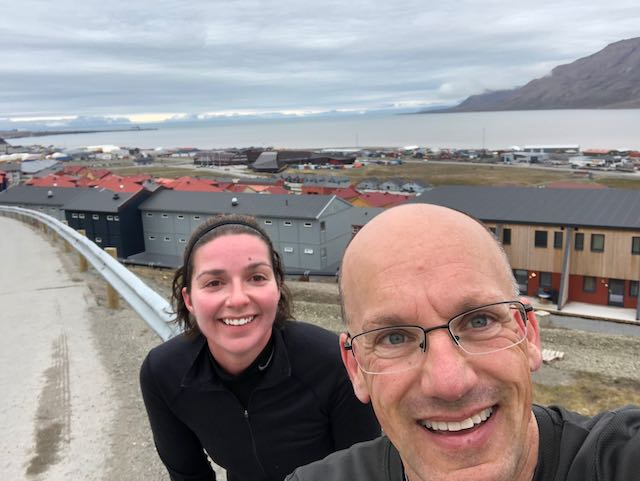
pixel 384 320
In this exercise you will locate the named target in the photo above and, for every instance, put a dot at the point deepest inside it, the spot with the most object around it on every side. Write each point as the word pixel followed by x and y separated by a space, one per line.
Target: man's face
pixel 422 410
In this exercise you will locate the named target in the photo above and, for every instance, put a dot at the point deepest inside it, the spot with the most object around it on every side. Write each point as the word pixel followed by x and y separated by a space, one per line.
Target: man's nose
pixel 446 372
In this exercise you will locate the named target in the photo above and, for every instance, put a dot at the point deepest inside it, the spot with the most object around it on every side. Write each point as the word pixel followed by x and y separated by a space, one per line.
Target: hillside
pixel 608 79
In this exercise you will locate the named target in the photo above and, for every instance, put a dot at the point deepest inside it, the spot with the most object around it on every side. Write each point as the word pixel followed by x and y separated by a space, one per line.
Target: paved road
pixel 55 395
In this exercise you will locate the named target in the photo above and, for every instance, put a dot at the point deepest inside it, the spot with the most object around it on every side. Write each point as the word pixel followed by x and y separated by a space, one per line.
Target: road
pixel 56 398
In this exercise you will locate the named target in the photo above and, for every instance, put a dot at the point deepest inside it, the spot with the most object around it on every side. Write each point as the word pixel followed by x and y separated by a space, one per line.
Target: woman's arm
pixel 178 447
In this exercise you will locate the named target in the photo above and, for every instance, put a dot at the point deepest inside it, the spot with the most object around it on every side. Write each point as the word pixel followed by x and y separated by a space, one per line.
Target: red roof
pixel 383 199
pixel 276 189
pixel 116 183
pixel 193 184
pixel 347 193
pixel 53 180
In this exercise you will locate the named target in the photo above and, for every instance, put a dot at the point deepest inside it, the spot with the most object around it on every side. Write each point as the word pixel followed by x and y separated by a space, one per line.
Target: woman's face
pixel 234 298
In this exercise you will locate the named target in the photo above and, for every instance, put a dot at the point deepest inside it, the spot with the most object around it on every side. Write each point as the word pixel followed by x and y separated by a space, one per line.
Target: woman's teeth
pixel 237 322
pixel 458 425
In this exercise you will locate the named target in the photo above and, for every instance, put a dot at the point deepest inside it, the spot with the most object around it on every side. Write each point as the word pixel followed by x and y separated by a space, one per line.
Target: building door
pixel 616 292
pixel 522 278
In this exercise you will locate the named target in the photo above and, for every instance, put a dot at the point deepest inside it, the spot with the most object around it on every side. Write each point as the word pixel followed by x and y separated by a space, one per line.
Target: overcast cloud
pixel 115 57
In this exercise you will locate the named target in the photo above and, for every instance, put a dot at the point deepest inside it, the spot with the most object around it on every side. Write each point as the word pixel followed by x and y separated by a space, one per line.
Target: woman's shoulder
pixel 308 341
pixel 178 353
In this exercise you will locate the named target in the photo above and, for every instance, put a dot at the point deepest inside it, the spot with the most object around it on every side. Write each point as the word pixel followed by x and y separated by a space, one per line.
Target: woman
pixel 261 394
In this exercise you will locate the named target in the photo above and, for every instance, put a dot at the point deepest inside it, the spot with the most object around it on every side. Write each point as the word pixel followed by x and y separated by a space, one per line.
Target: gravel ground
pixel 123 340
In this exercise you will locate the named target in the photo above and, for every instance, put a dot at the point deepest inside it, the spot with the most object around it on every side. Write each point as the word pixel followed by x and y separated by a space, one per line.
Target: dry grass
pixel 439 173
pixel 589 393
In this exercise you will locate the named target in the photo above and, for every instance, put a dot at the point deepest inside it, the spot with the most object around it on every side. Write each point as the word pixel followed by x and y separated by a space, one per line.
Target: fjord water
pixel 606 129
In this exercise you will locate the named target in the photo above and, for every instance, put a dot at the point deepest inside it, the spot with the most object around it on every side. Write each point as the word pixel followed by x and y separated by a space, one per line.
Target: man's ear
pixel 358 380
pixel 534 345
pixel 186 297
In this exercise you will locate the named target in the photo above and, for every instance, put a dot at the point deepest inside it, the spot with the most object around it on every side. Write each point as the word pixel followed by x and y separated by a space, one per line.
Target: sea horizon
pixel 587 129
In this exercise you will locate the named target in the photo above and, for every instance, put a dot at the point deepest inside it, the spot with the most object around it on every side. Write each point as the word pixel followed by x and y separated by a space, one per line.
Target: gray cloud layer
pixel 140 56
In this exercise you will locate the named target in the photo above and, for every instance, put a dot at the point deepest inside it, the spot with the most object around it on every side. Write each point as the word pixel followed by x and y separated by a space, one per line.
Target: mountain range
pixel 608 79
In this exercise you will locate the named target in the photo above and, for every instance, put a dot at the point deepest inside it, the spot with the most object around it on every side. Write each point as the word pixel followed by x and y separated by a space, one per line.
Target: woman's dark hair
pixel 213 228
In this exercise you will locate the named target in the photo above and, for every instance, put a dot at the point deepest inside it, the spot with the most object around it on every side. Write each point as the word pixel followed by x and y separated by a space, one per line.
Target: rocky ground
pixel 591 361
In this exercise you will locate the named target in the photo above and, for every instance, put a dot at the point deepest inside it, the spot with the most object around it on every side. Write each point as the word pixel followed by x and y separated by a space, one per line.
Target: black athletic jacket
pixel 303 409
pixel 572 447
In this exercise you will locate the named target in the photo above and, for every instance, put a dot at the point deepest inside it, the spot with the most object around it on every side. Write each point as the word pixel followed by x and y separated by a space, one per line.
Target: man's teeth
pixel 459 425
pixel 237 322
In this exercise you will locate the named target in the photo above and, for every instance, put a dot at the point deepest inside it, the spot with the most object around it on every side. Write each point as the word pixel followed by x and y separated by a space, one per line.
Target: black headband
pixel 222 223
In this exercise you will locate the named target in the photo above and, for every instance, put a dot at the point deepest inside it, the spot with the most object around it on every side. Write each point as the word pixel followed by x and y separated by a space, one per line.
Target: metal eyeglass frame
pixel 526 309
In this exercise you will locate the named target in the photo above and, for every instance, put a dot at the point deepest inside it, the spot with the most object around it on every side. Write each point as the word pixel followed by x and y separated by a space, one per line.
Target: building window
pixel 196 217
pixel 149 214
pixel 80 216
pixel 633 288
pixel 493 231
pixel 323 251
pixel 167 239
pixel 287 223
pixel 322 226
pixel 288 250
pixel 540 239
pixel 268 222
pixel 589 284
pixel 182 241
pixel 545 279
pixel 597 242
pixel 307 224
pixel 635 245
pixel 116 218
pixel 506 237
pixel 75 216
pixel 98 240
pixel 95 217
pixel 557 240
pixel 308 251
pixel 110 218
pixel 151 237
pixel 579 241
pixel 180 216
pixel 165 216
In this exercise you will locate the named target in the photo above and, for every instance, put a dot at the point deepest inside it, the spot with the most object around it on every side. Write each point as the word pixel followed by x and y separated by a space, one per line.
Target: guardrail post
pixel 67 246
pixel 84 266
pixel 113 301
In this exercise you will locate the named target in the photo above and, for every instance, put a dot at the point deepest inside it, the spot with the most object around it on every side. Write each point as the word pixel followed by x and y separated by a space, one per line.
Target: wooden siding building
pixel 563 244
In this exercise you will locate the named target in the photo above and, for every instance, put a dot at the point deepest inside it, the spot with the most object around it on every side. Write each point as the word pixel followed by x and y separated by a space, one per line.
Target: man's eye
pixel 479 321
pixel 393 338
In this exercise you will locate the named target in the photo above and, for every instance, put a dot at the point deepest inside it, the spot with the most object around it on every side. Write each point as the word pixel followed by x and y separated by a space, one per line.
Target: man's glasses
pixel 483 330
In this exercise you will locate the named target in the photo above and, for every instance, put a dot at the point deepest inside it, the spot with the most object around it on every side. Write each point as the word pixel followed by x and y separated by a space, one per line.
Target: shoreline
pixel 21 134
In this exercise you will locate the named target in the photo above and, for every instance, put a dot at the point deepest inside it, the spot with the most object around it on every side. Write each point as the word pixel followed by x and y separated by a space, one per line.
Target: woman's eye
pixel 258 277
pixel 213 283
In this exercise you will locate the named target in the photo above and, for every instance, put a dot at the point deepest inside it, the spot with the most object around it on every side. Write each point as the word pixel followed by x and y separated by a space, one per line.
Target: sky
pixel 152 59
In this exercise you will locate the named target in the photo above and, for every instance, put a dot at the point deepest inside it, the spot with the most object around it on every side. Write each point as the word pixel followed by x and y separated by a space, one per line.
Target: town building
pixel 309 232
pixel 109 219
pixel 563 244
pixel 48 200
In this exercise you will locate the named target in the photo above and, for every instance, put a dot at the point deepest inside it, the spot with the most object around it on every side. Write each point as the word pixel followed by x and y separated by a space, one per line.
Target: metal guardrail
pixel 150 306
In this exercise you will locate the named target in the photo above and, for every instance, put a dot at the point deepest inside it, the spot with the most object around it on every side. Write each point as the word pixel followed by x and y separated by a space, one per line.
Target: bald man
pixel 441 346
